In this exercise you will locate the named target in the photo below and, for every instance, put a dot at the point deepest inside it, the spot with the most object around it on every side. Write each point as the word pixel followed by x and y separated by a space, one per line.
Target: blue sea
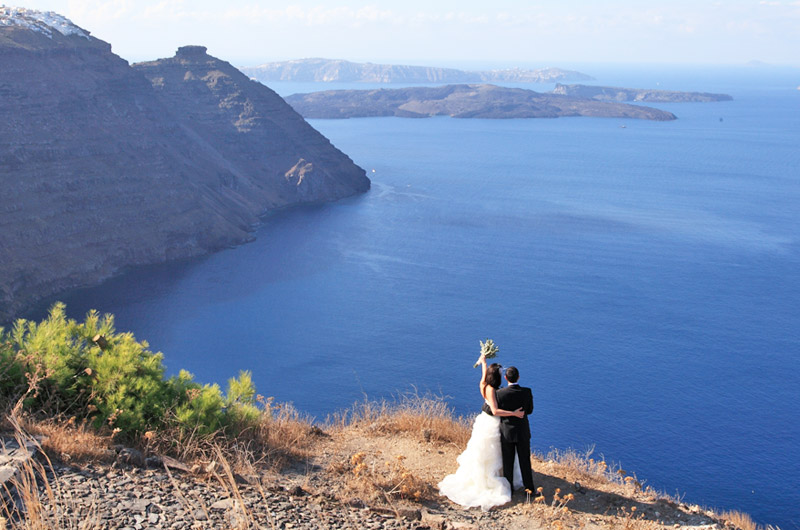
pixel 643 276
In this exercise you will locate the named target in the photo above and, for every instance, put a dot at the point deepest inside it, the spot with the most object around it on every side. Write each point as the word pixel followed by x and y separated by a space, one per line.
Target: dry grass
pixel 556 514
pixel 739 520
pixel 742 521
pixel 38 501
pixel 429 417
pixel 580 466
pixel 240 516
pixel 281 436
pixel 630 519
pixel 285 435
pixel 70 441
pixel 383 455
pixel 373 479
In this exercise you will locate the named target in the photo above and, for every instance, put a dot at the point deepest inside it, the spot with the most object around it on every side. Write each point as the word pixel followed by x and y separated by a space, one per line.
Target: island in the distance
pixel 462 101
pixel 611 93
pixel 330 70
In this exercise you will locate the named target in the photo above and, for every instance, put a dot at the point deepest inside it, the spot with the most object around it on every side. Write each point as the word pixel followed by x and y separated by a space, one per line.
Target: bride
pixel 479 479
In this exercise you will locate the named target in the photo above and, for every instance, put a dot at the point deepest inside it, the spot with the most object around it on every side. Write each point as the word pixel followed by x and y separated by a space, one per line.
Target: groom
pixel 515 433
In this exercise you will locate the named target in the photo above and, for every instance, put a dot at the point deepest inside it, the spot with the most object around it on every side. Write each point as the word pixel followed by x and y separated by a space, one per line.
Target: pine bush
pixel 58 368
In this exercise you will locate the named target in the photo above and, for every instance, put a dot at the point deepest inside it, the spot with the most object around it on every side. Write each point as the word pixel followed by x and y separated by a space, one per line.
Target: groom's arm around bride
pixel 515 433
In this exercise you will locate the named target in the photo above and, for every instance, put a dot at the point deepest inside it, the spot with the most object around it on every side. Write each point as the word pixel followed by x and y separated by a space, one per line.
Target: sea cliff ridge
pixel 104 166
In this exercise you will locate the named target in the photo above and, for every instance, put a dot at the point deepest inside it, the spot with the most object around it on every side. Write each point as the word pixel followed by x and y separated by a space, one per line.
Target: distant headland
pixel 610 93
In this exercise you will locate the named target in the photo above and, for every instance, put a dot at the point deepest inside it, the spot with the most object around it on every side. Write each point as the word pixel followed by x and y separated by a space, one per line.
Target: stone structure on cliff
pixel 104 166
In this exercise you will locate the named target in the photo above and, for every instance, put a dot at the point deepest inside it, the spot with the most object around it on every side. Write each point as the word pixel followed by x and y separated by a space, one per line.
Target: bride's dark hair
pixel 493 375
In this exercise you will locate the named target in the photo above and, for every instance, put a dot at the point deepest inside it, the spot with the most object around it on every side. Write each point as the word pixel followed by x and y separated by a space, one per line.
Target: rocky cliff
pixel 462 101
pixel 276 157
pixel 100 171
pixel 327 70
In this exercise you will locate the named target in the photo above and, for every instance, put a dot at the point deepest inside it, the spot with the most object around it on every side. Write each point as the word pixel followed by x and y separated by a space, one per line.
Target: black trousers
pixel 522 449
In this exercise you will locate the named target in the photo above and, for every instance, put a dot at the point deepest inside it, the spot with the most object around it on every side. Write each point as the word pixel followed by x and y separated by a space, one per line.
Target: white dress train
pixel 479 481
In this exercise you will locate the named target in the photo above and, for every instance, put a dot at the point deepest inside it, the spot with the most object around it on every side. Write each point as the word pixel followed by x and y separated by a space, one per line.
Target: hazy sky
pixel 541 33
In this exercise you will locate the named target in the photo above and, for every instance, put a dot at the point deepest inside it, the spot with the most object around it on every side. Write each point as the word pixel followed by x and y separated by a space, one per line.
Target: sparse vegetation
pixel 80 394
pixel 428 417
pixel 88 372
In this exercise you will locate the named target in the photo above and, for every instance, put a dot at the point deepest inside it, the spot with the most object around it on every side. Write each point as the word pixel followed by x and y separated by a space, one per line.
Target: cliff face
pixel 284 159
pixel 99 171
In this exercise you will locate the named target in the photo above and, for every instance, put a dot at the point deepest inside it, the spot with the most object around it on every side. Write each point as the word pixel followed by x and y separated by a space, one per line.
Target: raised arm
pixel 488 393
pixel 484 369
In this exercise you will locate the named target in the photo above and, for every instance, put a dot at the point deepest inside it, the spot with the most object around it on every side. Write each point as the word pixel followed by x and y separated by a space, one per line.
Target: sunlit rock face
pixel 100 171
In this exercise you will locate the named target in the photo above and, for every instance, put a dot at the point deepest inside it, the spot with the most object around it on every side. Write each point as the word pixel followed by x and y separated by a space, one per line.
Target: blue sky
pixel 448 32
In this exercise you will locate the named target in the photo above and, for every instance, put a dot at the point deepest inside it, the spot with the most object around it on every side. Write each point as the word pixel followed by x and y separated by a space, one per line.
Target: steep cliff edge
pixel 287 161
pixel 100 172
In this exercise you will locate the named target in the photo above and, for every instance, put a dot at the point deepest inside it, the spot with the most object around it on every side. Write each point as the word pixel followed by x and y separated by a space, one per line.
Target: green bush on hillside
pixel 57 368
pixel 196 408
pixel 240 402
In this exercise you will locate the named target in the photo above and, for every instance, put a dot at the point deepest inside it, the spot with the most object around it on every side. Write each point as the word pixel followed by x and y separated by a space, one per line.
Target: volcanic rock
pixel 101 171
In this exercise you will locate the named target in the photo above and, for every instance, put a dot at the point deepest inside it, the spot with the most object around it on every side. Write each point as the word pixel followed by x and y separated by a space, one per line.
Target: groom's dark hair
pixel 512 374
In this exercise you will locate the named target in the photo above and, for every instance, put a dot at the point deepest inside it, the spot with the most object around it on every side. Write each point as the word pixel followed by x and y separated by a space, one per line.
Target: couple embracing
pixel 497 459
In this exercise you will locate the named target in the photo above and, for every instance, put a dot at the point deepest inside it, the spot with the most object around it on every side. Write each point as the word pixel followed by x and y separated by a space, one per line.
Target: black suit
pixel 515 433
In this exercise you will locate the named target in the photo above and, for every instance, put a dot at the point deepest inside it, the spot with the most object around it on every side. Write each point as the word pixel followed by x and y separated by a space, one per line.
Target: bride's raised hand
pixel 519 413
pixel 481 359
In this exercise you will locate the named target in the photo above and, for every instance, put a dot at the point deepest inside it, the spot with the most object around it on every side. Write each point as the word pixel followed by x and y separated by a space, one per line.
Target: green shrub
pixel 120 385
pixel 240 402
pixel 196 408
pixel 12 371
pixel 51 352
pixel 127 383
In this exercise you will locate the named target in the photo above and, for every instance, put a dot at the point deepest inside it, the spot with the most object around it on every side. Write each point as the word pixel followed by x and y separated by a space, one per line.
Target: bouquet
pixel 488 350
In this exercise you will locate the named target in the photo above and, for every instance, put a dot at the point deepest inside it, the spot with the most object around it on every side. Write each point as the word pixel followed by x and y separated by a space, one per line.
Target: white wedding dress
pixel 479 481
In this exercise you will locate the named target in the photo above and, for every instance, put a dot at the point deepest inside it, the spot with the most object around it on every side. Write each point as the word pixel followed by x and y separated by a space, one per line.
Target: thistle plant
pixel 488 350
